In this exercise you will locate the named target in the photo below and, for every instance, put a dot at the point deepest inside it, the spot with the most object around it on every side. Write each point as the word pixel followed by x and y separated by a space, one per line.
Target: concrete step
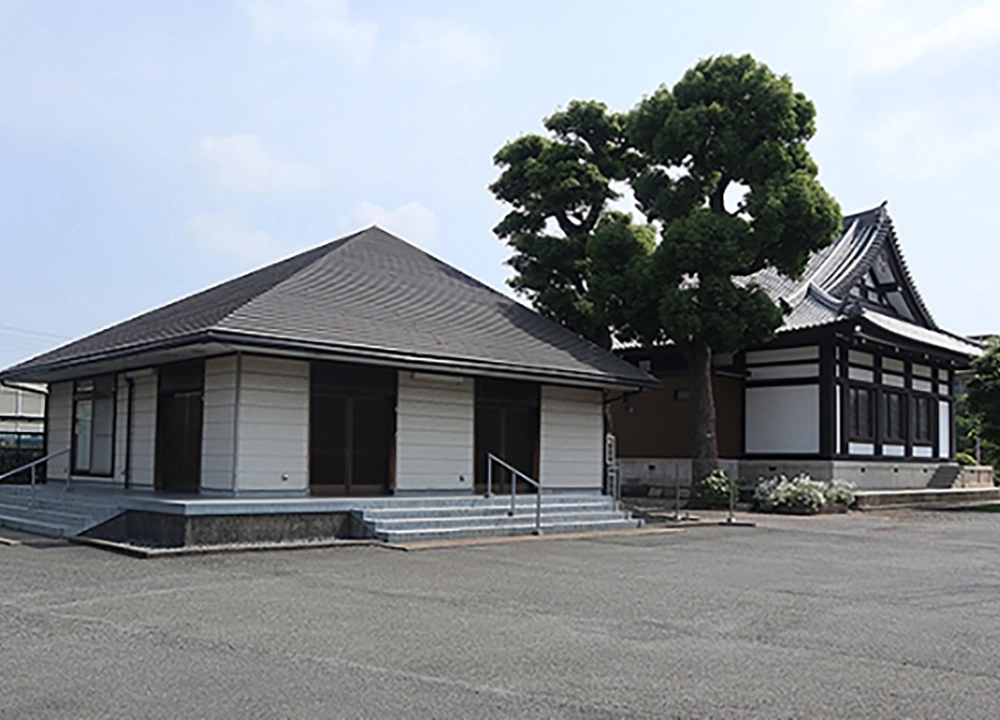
pixel 945 476
pixel 502 520
pixel 51 512
pixel 521 528
pixel 43 514
pixel 459 510
pixel 36 527
pixel 924 497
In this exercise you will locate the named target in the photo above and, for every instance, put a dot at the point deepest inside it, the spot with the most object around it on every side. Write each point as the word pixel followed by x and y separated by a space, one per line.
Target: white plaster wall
pixel 218 430
pixel 572 438
pixel 60 428
pixel 782 419
pixel 143 429
pixel 944 429
pixel 435 432
pixel 273 425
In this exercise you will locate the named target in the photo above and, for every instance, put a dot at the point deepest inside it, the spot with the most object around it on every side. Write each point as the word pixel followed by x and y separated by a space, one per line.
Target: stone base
pixel 658 476
pixel 151 529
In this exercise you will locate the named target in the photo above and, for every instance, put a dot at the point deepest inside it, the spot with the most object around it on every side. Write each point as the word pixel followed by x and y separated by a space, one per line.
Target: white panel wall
pixel 944 429
pixel 435 439
pixel 60 427
pixel 782 419
pixel 143 429
pixel 273 425
pixel 572 438
pixel 218 430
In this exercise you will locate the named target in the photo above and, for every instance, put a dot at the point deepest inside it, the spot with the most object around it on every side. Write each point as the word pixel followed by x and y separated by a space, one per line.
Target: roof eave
pixel 236 341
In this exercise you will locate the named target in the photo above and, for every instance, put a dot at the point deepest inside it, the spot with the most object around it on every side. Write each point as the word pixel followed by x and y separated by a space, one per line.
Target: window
pixel 860 413
pixel 93 426
pixel 922 419
pixel 895 425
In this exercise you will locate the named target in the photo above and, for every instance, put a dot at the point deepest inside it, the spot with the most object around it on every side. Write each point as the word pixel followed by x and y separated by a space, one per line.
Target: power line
pixel 33 332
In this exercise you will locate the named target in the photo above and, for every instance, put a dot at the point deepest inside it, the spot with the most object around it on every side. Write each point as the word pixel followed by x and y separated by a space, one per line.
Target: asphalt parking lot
pixel 864 615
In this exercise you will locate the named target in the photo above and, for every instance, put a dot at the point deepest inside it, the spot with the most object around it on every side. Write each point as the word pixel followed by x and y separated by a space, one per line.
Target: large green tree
pixel 983 401
pixel 560 189
pixel 719 167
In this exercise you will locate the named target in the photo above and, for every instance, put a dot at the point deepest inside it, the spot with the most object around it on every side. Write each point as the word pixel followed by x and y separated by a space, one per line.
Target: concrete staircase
pixel 54 512
pixel 945 476
pixel 443 518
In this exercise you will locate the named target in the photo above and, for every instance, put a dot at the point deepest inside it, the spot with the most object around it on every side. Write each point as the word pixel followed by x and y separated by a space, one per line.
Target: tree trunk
pixel 704 446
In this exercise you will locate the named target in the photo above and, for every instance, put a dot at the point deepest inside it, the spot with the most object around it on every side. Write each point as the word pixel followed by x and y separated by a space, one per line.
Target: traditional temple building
pixel 858 383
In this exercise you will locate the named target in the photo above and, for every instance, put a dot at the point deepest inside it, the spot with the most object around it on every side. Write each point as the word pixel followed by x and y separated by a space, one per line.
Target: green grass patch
pixel 988 507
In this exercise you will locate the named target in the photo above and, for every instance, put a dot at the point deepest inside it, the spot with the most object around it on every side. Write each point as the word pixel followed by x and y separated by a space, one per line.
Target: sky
pixel 151 149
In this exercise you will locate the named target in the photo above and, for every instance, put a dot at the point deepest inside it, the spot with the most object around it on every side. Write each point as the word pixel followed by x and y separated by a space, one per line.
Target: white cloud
pixel 413 222
pixel 327 22
pixel 241 163
pixel 227 233
pixel 445 52
pixel 889 41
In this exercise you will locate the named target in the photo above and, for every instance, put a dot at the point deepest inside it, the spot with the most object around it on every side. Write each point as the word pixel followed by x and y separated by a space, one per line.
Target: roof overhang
pixel 215 343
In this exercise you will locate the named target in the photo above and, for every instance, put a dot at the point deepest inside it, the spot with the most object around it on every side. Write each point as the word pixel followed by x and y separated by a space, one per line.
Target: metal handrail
pixel 32 465
pixel 515 474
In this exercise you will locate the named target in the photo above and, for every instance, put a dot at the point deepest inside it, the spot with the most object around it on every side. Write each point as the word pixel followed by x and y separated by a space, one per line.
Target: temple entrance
pixel 352 427
pixel 178 426
pixel 507 425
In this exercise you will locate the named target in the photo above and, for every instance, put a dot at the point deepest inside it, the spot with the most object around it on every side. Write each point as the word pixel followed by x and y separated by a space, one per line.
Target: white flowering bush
pixel 840 491
pixel 801 493
pixel 712 490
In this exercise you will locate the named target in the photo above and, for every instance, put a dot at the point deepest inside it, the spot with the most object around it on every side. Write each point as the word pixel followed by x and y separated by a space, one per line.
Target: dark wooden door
pixel 352 421
pixel 178 442
pixel 179 411
pixel 507 425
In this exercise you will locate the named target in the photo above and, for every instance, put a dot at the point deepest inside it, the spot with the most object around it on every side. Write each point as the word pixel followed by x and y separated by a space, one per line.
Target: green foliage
pixel 980 412
pixel 730 123
pixel 713 490
pixel 559 189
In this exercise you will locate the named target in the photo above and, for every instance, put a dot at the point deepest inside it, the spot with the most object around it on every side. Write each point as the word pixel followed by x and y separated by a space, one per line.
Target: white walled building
pixel 360 368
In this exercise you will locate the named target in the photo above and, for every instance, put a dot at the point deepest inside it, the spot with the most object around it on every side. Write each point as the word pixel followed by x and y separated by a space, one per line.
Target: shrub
pixel 712 490
pixel 801 493
pixel 965 458
pixel 840 491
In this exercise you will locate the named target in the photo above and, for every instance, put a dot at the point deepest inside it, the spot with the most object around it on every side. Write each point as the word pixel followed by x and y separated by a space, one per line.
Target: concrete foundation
pixel 643 476
pixel 139 527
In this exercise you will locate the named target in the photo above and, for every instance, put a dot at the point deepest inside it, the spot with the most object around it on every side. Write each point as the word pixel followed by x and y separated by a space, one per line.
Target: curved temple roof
pixel 862 274
pixel 368 295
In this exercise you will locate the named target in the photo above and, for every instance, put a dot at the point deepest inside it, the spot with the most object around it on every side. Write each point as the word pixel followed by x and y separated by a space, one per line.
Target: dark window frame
pixel 927 401
pixel 902 427
pixel 93 393
pixel 855 431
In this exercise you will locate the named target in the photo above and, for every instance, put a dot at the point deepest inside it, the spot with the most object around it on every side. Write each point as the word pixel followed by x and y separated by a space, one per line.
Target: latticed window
pixel 922 419
pixel 860 413
pixel 895 423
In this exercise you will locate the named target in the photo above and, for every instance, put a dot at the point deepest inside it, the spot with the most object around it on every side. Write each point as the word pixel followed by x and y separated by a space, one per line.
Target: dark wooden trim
pixel 827 407
pixel 782 382
pixel 786 363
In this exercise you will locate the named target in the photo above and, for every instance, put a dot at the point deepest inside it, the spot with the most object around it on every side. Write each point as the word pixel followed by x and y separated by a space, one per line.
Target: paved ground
pixel 890 615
